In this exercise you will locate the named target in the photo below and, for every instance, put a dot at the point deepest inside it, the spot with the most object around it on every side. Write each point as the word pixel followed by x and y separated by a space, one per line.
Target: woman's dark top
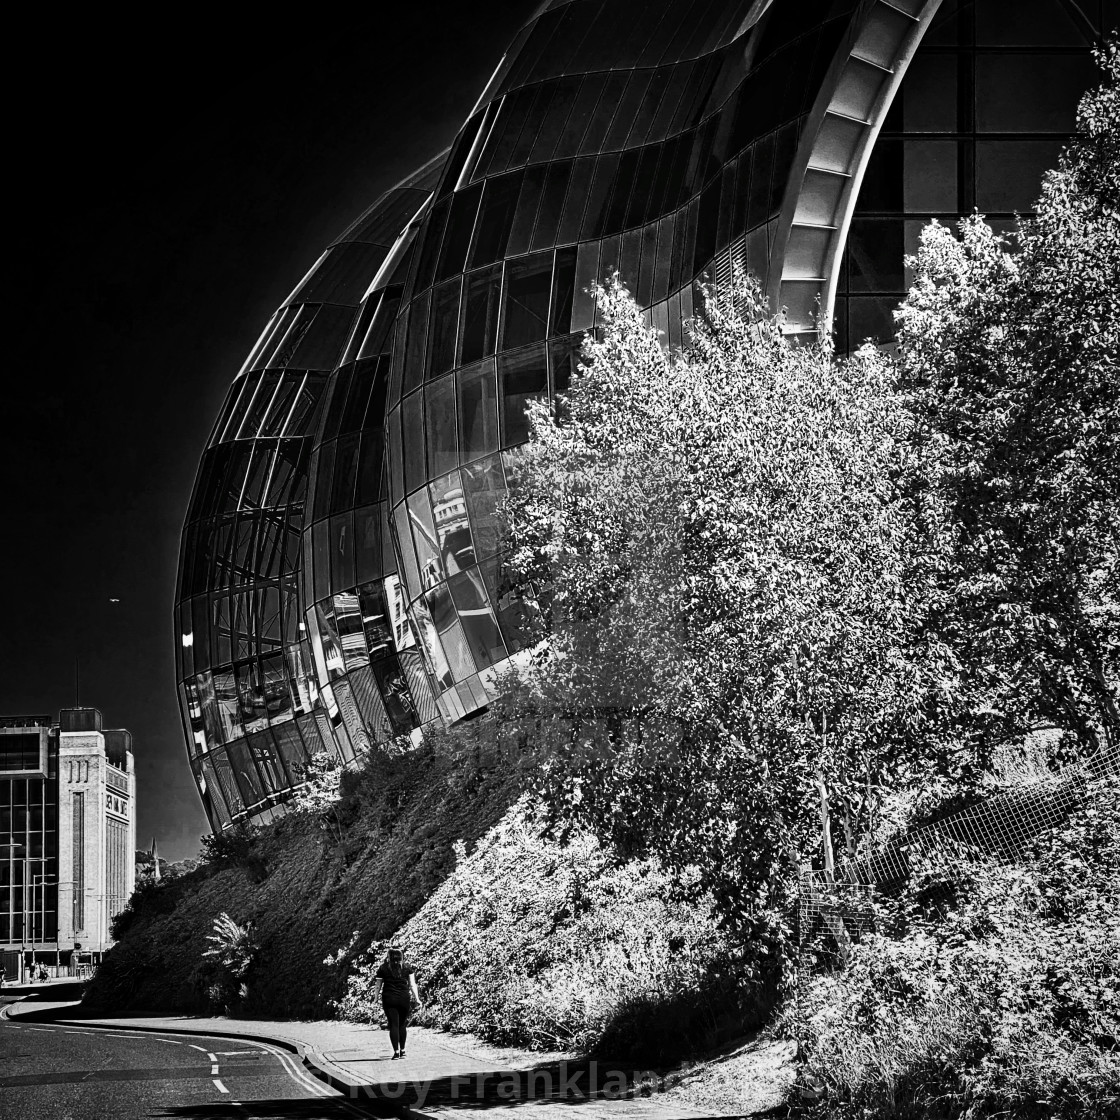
pixel 395 988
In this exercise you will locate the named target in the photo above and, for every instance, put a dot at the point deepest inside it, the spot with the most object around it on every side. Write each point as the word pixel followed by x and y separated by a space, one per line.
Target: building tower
pixel 67 836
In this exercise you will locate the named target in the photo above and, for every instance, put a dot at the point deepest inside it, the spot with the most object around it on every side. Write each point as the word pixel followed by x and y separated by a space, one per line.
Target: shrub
pixel 237 846
pixel 551 946
pixel 1011 1001
pixel 227 962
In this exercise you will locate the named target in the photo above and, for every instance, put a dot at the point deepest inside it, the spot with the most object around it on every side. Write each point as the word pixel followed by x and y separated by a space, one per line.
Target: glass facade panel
pixel 449 510
pixel 412 419
pixel 485 488
pixel 522 377
pixel 930 181
pixel 416 354
pixel 480 314
pixel 1009 173
pixel 552 204
pixel 527 286
pixel 442 424
pixel 445 327
pixel 1024 93
pixel 478 411
pixel 495 218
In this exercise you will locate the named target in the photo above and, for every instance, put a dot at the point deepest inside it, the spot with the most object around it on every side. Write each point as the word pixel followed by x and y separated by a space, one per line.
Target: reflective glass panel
pixel 367 541
pixel 495 218
pixel 371 459
pixel 375 620
pixel 351 634
pixel 416 352
pixel 1030 92
pixel 1009 172
pixel 342 551
pixel 449 508
pixel 522 377
pixel 412 414
pixel 395 693
pixel 480 314
pixel 485 488
pixel 527 286
pixel 442 422
pixel 930 183
pixel 424 535
pixel 478 411
pixel 464 209
pixel 552 204
pixel 445 326
pixel 480 628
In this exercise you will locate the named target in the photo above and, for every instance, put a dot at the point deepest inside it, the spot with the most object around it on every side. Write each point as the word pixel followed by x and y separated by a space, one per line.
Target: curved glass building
pixel 341 578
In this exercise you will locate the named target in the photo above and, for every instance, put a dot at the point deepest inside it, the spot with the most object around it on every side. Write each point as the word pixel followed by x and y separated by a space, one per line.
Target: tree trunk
pixel 826 832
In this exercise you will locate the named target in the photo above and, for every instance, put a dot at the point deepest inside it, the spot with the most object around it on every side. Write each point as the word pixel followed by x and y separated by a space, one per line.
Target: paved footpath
pixel 444 1075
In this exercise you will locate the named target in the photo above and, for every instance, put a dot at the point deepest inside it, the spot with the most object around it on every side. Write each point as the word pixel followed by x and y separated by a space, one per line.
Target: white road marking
pixel 45 1030
pixel 173 1041
pixel 214 1068
pixel 92 1033
pixel 297 1074
pixel 234 1053
pixel 287 1062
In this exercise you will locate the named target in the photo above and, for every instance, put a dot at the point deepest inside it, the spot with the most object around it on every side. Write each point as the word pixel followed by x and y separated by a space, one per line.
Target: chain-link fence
pixel 834 915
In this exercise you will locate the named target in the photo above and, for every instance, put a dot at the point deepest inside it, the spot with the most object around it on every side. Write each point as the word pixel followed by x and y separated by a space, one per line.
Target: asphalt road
pixel 55 1072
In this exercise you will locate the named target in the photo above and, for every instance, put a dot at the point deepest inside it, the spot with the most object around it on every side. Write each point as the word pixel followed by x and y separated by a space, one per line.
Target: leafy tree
pixel 1013 363
pixel 181 867
pixel 775 587
pixel 237 846
pixel 736 599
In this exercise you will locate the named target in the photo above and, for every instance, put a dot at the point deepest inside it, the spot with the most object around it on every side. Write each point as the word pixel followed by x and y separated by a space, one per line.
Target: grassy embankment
pixel 991 983
pixel 518 939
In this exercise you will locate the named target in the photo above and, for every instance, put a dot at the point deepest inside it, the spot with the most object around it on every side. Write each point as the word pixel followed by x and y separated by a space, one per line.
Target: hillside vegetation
pixel 517 938
pixel 306 887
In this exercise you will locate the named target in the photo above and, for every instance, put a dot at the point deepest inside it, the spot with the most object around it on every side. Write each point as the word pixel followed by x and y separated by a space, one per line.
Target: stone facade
pixel 70 834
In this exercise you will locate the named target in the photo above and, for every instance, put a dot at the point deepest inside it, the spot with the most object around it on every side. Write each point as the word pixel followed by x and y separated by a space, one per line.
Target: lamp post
pixel 35 902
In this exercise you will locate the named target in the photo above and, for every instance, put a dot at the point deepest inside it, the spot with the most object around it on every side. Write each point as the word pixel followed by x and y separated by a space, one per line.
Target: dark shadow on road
pixel 60 992
pixel 279 1109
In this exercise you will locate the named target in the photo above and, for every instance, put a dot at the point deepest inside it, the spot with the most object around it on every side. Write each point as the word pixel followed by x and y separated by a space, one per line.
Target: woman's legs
pixel 397 1014
pixel 394 1016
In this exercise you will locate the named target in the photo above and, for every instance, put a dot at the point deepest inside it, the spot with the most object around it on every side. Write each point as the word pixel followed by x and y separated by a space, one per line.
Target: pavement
pixel 443 1076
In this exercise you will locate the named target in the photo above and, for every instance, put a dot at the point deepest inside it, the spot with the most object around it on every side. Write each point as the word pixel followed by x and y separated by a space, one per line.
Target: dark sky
pixel 173 184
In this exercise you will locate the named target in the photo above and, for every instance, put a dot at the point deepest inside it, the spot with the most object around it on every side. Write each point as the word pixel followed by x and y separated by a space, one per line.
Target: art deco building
pixel 67 836
pixel 342 577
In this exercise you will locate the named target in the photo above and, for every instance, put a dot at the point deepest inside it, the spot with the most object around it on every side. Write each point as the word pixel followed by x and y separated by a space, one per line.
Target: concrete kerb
pixel 314 1060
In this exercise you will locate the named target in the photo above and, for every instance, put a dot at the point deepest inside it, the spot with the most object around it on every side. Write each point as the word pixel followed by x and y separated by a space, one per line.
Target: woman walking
pixel 397 981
